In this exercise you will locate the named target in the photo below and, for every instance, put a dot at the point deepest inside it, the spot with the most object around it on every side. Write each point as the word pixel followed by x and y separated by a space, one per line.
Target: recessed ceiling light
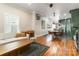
pixel 65 14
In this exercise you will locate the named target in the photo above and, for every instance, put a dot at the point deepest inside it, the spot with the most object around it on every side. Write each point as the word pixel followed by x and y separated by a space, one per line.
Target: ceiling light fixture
pixel 51 5
pixel 65 14
pixel 54 13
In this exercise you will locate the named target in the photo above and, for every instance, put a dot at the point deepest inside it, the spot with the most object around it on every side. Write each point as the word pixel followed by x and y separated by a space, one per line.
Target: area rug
pixel 35 49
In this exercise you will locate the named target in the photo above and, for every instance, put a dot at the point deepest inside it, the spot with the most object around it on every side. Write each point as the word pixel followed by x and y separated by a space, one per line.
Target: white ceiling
pixel 44 10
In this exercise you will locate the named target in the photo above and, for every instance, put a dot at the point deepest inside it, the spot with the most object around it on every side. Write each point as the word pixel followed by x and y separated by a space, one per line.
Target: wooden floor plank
pixel 58 46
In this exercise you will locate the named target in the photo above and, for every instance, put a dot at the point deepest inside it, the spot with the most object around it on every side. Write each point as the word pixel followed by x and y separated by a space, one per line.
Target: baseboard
pixel 41 35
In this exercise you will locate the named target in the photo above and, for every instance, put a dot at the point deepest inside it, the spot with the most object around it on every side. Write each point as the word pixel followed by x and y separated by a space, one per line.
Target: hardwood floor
pixel 58 46
pixel 14 48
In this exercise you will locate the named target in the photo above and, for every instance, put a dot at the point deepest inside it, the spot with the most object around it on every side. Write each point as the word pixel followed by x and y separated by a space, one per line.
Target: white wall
pixel 27 22
pixel 39 31
pixel 25 17
pixel 37 26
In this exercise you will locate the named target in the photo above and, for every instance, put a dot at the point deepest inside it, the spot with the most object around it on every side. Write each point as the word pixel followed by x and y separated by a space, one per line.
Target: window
pixel 11 23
